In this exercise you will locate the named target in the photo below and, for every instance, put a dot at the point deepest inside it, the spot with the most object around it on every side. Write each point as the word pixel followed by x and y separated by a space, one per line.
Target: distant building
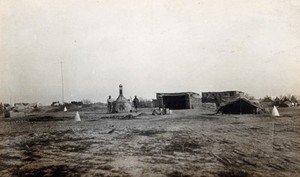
pixel 5 109
pixel 55 103
pixel 218 97
pixel 25 106
pixel 77 103
pixel 15 114
pixel 182 100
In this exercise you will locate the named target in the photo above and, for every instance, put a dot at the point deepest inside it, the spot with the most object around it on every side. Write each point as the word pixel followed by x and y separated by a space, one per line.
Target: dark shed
pixel 182 100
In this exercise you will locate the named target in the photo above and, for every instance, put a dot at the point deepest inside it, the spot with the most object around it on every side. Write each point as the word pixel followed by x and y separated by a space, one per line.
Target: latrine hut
pixel 121 104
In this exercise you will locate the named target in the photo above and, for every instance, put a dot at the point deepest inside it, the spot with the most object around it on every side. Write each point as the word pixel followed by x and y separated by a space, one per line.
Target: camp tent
pixel 77 117
pixel 275 112
pixel 121 104
pixel 240 105
pixel 287 103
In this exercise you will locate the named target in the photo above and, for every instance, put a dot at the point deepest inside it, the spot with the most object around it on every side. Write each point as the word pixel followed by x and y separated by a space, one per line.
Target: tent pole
pixel 273 129
pixel 240 107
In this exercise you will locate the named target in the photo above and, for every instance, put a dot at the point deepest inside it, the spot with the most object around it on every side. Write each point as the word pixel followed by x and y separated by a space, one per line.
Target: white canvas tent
pixel 77 117
pixel 275 112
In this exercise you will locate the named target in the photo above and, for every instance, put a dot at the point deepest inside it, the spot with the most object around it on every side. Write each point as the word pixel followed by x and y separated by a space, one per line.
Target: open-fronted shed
pixel 181 100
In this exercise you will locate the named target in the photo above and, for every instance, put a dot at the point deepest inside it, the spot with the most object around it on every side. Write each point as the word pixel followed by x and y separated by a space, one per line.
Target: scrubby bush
pixel 294 99
pixel 144 103
pixel 267 99
pixel 86 101
pixel 250 97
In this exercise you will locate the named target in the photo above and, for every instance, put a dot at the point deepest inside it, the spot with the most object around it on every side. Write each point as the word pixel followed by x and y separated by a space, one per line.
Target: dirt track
pixel 186 143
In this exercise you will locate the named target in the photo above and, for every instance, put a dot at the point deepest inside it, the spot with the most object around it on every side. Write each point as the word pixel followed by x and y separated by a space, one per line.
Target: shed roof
pixel 225 91
pixel 177 94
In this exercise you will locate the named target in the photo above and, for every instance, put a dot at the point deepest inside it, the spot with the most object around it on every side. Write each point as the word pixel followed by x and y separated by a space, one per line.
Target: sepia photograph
pixel 149 88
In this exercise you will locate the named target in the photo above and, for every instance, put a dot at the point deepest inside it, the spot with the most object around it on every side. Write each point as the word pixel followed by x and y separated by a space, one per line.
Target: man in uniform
pixel 109 105
pixel 135 103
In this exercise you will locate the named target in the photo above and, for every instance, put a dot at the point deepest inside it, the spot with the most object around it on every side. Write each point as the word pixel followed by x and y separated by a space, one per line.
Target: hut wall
pixel 210 97
pixel 187 102
pixel 194 102
pixel 16 114
pixel 159 100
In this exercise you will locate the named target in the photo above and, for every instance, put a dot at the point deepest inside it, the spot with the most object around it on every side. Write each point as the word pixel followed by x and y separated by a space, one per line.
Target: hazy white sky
pixel 148 46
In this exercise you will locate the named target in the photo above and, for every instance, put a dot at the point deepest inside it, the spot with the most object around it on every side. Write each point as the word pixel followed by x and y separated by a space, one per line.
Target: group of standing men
pixel 110 104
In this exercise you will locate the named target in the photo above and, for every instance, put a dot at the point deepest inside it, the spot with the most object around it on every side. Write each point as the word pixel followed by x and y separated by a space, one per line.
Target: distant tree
pixel 267 99
pixel 86 101
pixel 144 103
pixel 1 108
pixel 277 101
pixel 284 98
pixel 249 97
pixel 294 99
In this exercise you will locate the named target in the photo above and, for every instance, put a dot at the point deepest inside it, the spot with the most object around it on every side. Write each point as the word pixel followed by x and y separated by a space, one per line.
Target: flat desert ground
pixel 184 144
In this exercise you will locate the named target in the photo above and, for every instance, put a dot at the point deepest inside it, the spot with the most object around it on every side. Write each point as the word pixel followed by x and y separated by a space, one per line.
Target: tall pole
pixel 273 129
pixel 62 82
pixel 240 106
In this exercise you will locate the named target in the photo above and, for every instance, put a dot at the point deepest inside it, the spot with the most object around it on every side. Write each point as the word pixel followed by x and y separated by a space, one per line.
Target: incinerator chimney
pixel 121 90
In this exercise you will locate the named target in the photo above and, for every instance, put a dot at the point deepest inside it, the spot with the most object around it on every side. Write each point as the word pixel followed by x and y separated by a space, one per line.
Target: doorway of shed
pixel 175 102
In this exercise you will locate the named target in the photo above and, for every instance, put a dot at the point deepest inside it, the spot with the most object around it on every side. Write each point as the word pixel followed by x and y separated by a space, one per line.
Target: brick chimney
pixel 121 90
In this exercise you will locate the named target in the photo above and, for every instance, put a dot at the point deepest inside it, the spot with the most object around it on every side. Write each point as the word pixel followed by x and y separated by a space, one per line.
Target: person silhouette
pixel 135 103
pixel 109 105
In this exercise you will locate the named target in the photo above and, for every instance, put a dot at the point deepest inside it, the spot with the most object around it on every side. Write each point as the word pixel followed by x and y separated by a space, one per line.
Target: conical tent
pixel 77 117
pixel 275 112
pixel 121 104
pixel 65 109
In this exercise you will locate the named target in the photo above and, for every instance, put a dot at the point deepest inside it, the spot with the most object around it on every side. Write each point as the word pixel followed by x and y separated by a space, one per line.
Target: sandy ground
pixel 187 143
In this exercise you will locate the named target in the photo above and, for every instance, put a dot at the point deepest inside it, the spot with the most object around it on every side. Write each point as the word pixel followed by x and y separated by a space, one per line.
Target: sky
pixel 148 46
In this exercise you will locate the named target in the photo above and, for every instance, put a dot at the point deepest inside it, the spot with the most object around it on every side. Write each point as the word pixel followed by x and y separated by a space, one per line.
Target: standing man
pixel 135 103
pixel 109 105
